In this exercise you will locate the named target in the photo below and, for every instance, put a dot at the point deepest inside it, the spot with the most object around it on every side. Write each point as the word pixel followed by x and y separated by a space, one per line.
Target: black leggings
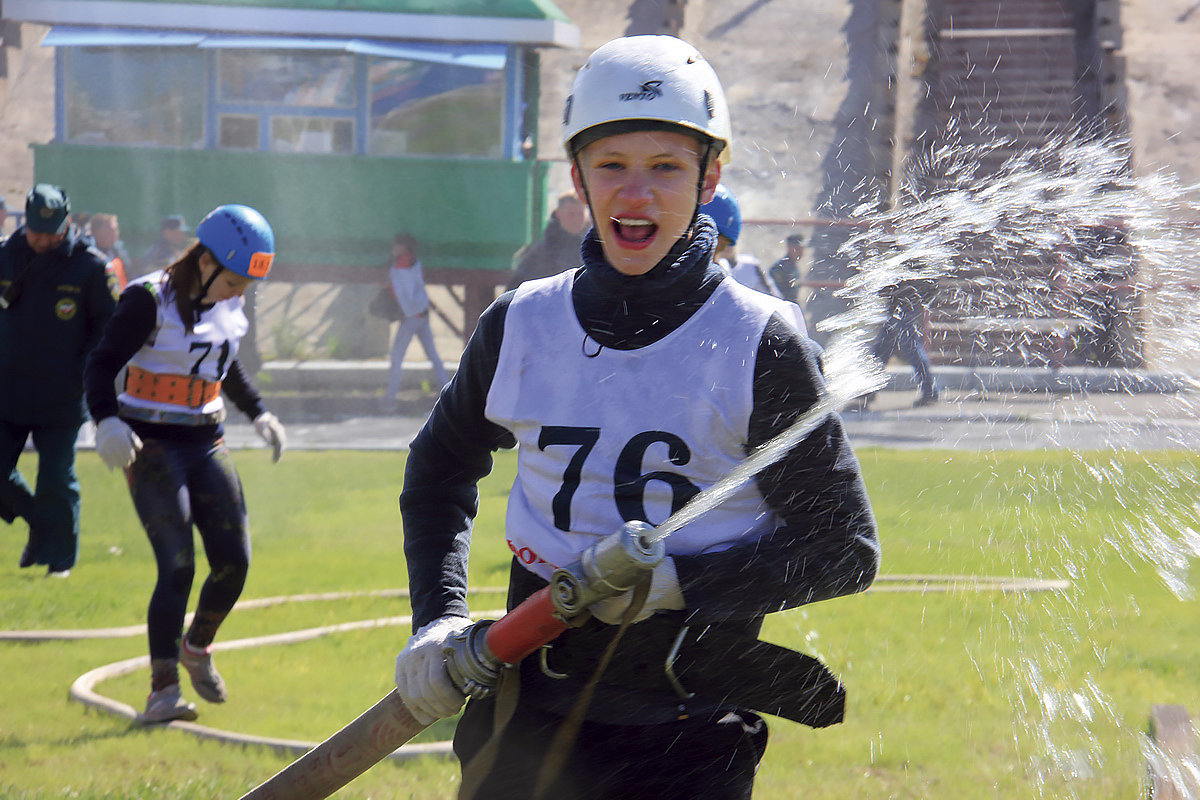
pixel 176 485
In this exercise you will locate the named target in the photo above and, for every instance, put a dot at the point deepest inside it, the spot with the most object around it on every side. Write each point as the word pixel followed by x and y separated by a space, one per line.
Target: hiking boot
pixel 205 678
pixel 165 705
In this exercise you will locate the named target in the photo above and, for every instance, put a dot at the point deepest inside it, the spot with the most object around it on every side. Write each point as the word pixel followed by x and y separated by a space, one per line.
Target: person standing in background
pixel 56 295
pixel 106 233
pixel 558 249
pixel 408 285
pixel 167 248
pixel 785 272
pixel 901 334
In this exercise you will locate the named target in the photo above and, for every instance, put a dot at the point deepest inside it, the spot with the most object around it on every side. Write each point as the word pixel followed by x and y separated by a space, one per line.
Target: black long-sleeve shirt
pixel 827 545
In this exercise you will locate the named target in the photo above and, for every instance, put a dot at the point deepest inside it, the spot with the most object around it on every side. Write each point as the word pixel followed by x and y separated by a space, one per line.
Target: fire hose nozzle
pixel 611 566
pixel 615 564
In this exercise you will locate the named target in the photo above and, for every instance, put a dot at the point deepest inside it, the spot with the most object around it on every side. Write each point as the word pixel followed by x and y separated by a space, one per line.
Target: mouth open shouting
pixel 634 232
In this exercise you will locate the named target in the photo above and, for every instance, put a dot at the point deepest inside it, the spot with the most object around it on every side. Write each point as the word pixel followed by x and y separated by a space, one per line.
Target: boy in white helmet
pixel 629 385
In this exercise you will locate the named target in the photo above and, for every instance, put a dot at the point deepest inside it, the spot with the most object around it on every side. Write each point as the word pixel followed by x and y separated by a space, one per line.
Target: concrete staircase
pixel 1008 76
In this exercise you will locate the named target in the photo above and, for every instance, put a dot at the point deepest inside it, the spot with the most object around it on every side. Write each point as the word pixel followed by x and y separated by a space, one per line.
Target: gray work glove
pixel 271 430
pixel 116 443
pixel 421 677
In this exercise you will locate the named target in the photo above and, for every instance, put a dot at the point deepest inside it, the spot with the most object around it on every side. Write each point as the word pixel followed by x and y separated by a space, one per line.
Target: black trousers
pixel 690 759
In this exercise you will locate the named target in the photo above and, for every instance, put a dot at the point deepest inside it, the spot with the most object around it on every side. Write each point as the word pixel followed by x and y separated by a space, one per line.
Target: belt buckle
pixel 193 382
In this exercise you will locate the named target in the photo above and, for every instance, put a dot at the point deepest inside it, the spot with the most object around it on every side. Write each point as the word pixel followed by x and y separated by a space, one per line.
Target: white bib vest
pixel 624 435
pixel 206 352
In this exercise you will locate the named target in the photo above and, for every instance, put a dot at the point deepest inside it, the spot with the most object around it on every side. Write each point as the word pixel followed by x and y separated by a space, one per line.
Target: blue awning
pixel 69 36
pixel 479 56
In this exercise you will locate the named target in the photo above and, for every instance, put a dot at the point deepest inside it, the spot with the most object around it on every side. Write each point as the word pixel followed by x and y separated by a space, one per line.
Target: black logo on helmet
pixel 648 91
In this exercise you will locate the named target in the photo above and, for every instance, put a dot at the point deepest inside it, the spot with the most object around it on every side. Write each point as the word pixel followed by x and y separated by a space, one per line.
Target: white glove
pixel 421 677
pixel 116 443
pixel 664 595
pixel 271 430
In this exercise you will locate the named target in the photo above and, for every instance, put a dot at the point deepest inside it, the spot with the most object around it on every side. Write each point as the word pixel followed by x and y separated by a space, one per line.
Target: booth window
pixel 286 94
pixel 144 97
pixel 304 101
pixel 311 135
pixel 426 108
pixel 237 131
pixel 267 77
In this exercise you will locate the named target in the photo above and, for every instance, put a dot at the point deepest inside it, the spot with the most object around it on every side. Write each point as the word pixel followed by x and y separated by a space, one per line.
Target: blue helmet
pixel 240 239
pixel 724 210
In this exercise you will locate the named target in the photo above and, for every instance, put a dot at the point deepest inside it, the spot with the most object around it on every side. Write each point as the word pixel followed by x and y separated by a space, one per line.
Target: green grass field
pixel 958 694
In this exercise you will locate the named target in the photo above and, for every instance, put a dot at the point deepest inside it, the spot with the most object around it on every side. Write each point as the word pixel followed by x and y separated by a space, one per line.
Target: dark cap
pixel 796 238
pixel 174 222
pixel 47 209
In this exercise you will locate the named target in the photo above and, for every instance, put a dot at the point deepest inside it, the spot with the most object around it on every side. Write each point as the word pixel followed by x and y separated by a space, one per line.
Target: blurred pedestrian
pixel 106 233
pixel 179 330
pixel 408 285
pixel 558 248
pixel 58 293
pixel 785 273
pixel 901 335
pixel 167 248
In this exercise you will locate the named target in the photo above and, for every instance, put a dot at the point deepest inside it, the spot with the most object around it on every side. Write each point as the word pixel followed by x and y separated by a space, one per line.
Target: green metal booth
pixel 344 121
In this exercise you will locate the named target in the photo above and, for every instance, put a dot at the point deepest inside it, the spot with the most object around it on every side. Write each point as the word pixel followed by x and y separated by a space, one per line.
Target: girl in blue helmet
pixel 177 331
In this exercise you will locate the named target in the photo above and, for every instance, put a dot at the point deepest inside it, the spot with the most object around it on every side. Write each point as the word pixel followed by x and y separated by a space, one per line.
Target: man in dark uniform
pixel 56 294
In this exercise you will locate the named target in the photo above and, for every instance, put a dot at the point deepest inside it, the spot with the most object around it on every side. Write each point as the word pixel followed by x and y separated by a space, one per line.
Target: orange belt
pixel 178 390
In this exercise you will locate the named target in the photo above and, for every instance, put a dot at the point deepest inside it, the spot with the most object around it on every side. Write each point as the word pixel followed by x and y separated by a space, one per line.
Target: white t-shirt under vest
pixel 206 352
pixel 624 435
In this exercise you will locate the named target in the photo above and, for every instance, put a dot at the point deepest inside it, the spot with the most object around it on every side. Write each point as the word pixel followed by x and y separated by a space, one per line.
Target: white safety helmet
pixel 660 80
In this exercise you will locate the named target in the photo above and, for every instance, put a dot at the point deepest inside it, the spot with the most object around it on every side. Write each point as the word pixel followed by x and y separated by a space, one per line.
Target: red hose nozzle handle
pixel 611 566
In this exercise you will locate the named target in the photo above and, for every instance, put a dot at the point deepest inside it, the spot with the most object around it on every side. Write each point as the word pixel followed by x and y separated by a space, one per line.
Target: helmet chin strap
pixel 705 160
pixel 204 291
